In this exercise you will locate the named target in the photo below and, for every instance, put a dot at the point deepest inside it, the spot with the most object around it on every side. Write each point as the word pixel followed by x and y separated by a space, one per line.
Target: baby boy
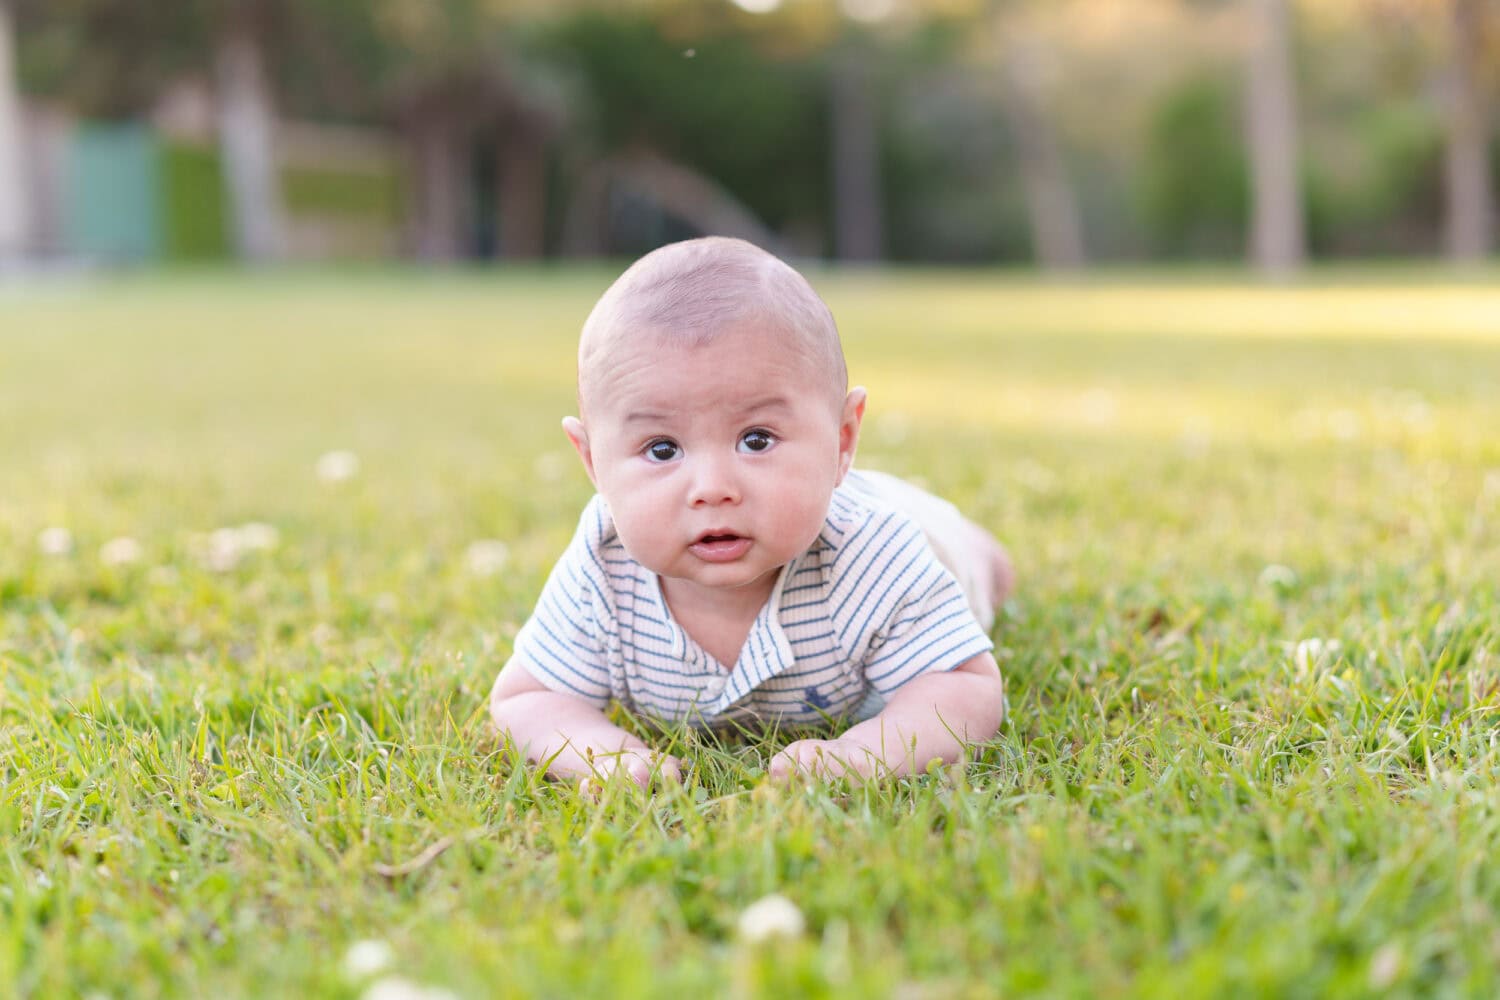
pixel 732 567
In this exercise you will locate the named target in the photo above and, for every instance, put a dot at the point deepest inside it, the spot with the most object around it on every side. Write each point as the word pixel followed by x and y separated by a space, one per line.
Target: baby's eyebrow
pixel 767 403
pixel 645 417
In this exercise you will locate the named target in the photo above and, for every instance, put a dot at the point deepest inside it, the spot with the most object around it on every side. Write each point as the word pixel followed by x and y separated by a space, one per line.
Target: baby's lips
pixel 720 548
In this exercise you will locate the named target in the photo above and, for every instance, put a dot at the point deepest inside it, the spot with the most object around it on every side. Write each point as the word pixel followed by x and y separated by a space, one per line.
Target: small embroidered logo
pixel 814 698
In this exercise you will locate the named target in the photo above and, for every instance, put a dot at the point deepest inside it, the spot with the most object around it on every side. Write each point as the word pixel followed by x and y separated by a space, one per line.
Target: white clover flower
pixel 258 537
pixel 396 988
pixel 550 466
pixel 55 541
pixel 1417 413
pixel 1277 575
pixel 1197 438
pixel 1344 425
pixel 486 557
pixel 775 916
pixel 893 427
pixel 1385 966
pixel 337 466
pixel 1098 407
pixel 120 551
pixel 1308 652
pixel 223 550
pixel 365 958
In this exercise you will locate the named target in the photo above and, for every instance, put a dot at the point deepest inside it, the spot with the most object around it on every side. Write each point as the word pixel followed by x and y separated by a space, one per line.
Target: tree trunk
pixel 522 201
pixel 858 229
pixel 1051 209
pixel 13 226
pixel 1470 222
pixel 1277 244
pixel 247 122
pixel 440 181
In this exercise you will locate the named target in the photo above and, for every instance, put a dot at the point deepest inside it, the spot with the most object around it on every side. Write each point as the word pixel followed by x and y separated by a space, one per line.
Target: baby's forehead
pixel 688 295
pixel 782 362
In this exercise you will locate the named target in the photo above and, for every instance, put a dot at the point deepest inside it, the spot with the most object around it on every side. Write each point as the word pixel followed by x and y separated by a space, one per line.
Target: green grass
pixel 204 772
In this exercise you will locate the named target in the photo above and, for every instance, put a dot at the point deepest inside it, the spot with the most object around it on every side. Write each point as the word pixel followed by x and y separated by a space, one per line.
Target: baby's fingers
pixel 825 759
pixel 640 768
pixel 804 757
pixel 654 768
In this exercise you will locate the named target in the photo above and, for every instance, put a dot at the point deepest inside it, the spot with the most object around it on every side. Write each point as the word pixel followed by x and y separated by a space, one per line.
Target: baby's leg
pixel 979 562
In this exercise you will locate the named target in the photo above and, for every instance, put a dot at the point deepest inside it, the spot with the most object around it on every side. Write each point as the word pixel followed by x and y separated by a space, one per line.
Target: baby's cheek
pixel 802 516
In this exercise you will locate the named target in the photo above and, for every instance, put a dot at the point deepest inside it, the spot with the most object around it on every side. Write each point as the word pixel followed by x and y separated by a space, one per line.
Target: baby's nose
pixel 714 483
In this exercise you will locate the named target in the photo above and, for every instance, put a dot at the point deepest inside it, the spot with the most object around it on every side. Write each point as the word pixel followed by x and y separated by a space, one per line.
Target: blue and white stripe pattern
pixel 867 608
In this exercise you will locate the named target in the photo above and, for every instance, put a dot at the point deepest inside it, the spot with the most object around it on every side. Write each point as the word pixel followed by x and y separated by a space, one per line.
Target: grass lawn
pixel 1254 664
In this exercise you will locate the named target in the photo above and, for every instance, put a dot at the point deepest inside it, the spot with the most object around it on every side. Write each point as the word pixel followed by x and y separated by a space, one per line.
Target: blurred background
pixel 1062 133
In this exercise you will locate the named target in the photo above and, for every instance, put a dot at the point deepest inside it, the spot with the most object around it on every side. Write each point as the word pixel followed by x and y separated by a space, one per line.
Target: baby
pixel 732 567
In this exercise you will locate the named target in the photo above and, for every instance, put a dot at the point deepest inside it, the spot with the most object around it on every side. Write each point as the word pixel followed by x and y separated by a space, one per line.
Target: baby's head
pixel 692 292
pixel 715 416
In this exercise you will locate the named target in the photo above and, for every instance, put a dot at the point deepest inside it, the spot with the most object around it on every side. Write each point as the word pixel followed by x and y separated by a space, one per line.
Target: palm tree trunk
pixel 1277 244
pixel 12 180
pixel 1470 222
pixel 247 122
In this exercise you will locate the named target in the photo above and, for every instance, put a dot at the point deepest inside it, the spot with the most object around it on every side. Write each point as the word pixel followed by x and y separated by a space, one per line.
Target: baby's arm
pixel 929 718
pixel 572 736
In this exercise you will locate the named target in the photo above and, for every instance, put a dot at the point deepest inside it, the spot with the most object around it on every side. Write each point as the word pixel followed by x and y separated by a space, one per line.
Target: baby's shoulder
pixel 862 524
pixel 595 560
pixel 868 545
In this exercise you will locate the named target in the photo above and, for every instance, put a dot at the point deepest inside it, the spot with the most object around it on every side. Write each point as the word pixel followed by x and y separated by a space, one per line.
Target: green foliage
pixel 1389 197
pixel 752 119
pixel 1194 187
pixel 193 203
pixel 216 775
pixel 371 195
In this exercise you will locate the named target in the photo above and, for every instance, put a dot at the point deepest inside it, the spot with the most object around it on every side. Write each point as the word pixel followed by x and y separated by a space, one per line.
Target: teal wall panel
pixel 112 200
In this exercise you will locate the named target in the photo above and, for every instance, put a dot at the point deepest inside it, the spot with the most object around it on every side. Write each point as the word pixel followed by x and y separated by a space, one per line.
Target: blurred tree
pixel 696 115
pixel 1051 205
pixel 1470 205
pixel 1022 42
pixel 112 59
pixel 854 119
pixel 12 196
pixel 1194 186
pixel 1277 243
pixel 475 120
pixel 247 127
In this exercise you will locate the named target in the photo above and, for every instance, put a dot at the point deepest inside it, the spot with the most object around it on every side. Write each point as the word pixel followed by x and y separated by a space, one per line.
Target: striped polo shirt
pixel 863 611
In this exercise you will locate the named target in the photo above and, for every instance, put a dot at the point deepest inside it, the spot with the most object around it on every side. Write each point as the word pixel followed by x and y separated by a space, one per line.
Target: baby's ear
pixel 579 436
pixel 849 421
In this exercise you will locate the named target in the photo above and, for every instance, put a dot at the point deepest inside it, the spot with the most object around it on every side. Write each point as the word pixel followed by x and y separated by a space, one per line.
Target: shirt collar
pixel 766 652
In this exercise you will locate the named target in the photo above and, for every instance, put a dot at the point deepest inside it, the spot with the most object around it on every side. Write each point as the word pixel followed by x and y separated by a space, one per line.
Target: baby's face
pixel 717 461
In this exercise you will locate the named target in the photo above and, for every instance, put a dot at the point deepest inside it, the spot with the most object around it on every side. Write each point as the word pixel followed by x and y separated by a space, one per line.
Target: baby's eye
pixel 756 442
pixel 662 450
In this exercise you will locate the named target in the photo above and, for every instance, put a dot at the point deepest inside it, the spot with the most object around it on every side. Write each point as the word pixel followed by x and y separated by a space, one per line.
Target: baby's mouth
pixel 720 546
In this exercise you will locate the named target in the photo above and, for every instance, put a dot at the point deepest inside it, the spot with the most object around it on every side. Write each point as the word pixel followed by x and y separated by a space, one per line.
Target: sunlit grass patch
pixel 264 543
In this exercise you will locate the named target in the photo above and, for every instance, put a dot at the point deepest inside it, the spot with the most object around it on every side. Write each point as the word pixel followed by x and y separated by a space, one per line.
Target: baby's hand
pixel 641 766
pixel 838 758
